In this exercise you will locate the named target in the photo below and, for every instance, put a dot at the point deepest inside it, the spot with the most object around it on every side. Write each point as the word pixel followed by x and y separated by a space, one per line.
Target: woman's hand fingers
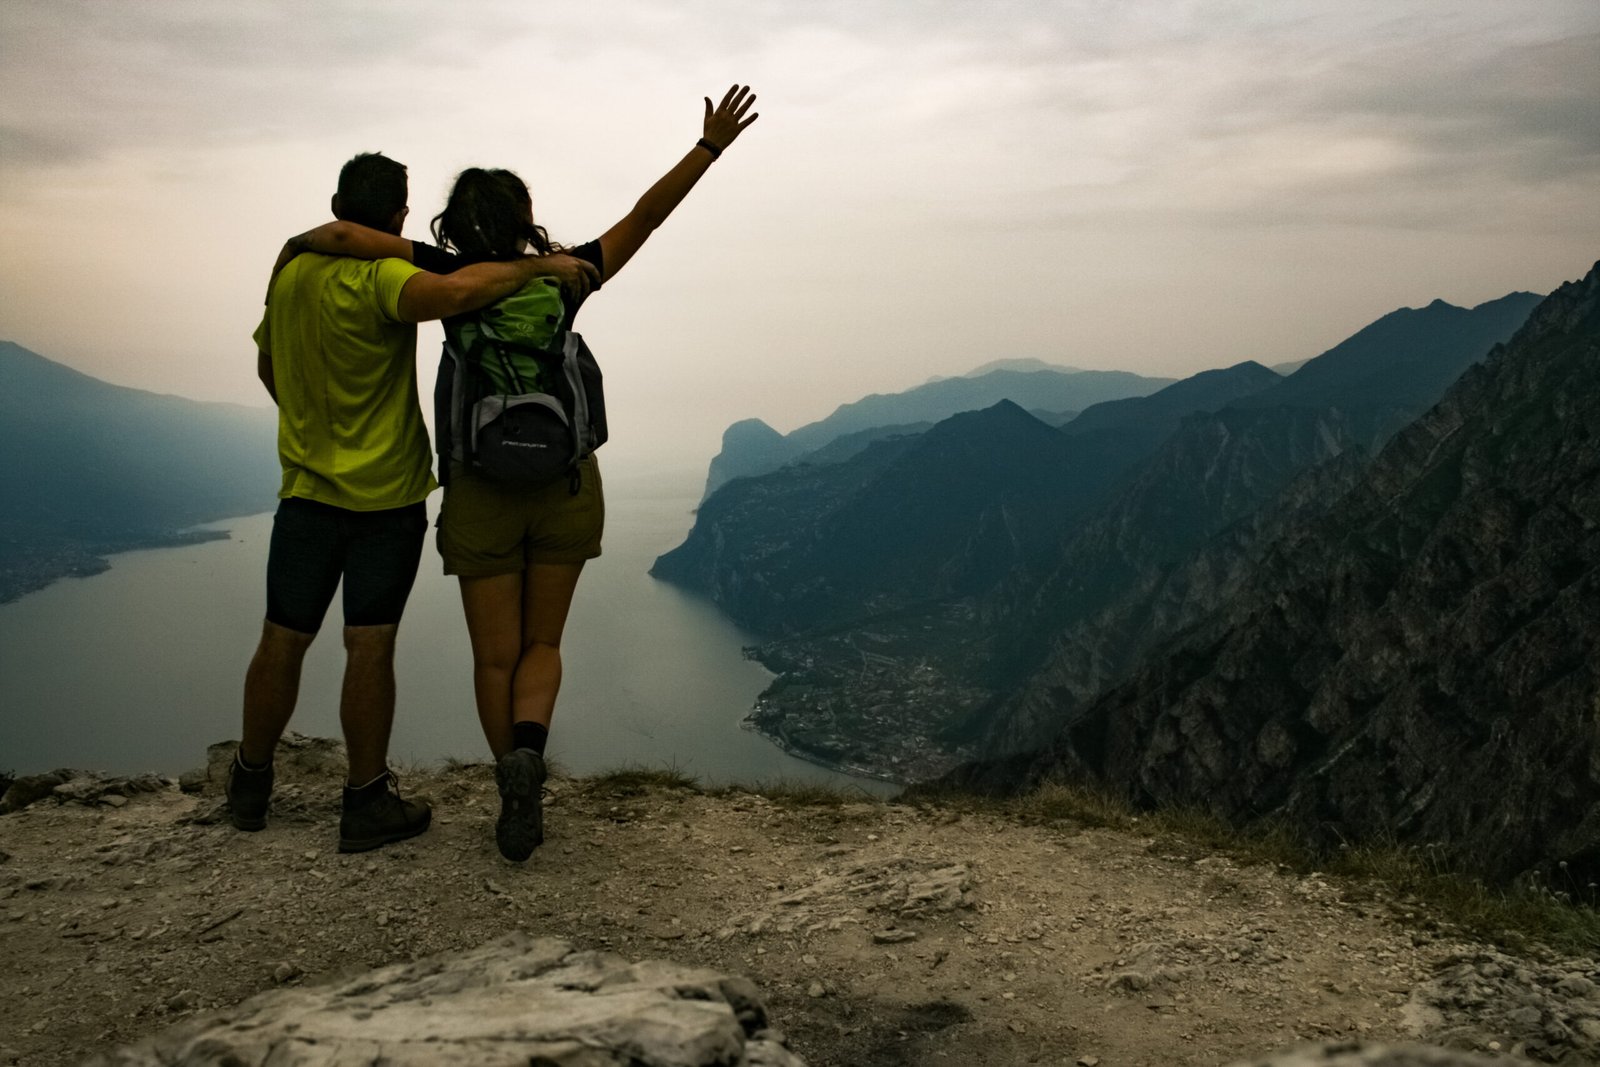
pixel 725 122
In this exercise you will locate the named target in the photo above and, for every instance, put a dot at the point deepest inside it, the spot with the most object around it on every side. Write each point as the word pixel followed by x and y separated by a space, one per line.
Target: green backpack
pixel 525 321
pixel 526 403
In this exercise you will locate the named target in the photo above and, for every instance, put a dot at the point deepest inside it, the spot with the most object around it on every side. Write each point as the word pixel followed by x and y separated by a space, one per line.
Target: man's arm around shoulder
pixel 428 296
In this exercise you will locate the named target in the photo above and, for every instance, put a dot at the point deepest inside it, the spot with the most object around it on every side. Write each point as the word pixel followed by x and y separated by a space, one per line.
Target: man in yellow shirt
pixel 337 352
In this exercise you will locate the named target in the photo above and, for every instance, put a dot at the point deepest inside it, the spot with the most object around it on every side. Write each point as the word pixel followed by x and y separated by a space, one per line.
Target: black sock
pixel 529 735
pixel 362 795
pixel 246 765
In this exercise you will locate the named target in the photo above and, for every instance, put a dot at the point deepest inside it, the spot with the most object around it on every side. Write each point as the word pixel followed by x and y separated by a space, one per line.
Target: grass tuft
pixel 795 793
pixel 1531 912
pixel 635 780
pixel 1563 917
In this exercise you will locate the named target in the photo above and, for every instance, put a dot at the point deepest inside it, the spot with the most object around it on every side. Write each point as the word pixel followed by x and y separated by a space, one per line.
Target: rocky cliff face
pixel 1175 542
pixel 1179 541
pixel 1421 660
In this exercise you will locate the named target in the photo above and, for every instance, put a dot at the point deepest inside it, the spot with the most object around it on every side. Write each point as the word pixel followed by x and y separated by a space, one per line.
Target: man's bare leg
pixel 271 689
pixel 366 704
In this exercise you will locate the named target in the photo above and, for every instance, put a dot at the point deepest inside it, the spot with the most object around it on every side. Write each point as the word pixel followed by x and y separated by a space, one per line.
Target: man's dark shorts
pixel 314 545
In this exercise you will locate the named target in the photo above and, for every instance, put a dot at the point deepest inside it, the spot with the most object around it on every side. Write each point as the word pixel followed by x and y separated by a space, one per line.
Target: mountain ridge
pixel 1166 521
pixel 1433 629
pixel 1048 390
pixel 102 468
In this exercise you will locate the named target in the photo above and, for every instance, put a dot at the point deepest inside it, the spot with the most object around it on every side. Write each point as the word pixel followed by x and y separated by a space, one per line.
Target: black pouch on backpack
pixel 518 432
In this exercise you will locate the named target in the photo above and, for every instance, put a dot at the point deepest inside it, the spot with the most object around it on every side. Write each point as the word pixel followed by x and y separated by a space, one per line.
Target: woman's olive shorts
pixel 487 529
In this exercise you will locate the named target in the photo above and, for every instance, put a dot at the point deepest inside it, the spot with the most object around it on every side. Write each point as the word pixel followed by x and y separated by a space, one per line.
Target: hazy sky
pixel 1161 186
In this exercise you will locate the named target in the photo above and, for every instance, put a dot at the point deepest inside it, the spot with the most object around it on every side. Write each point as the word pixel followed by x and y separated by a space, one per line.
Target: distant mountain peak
pixel 1004 413
pixel 1022 364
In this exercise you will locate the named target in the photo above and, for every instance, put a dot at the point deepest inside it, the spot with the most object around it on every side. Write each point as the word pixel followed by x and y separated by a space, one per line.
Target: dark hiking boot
pixel 385 818
pixel 248 792
pixel 520 775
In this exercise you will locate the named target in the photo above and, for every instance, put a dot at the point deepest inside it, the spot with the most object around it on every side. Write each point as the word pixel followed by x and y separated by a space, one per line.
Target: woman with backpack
pixel 518 553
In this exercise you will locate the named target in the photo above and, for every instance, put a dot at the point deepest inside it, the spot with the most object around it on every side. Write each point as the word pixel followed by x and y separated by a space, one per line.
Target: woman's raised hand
pixel 727 120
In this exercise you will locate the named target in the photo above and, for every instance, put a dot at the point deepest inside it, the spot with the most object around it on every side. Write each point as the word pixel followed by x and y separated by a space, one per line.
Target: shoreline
pixel 39 568
pixel 783 744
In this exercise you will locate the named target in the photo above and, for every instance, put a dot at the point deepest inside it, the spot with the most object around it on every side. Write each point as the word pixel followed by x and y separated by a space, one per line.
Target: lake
pixel 141 667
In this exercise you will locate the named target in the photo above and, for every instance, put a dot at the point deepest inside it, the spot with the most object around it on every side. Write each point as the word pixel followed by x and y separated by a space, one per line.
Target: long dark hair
pixel 490 216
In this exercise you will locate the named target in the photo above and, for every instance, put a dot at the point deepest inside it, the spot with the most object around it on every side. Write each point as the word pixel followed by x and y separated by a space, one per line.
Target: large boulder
pixel 532 1002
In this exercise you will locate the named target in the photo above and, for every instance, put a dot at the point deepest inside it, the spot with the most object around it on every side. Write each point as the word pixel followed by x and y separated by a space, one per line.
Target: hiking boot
pixel 248 792
pixel 520 775
pixel 385 818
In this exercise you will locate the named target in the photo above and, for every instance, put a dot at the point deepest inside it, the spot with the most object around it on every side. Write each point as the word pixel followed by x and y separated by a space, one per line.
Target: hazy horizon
pixel 1161 188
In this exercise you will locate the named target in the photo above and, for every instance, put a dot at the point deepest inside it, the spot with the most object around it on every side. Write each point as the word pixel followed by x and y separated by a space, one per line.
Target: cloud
pixel 90 78
pixel 29 149
pixel 1529 109
pixel 938 175
pixel 1465 129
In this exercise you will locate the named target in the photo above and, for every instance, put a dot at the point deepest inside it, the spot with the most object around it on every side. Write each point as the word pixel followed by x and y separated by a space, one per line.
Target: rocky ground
pixel 880 934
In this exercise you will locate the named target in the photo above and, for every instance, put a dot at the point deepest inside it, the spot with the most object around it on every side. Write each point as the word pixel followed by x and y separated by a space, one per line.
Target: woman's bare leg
pixel 547 590
pixel 515 622
pixel 493 608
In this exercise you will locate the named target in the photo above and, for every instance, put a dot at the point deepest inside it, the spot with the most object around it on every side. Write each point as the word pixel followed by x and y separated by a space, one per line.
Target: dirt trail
pixel 881 934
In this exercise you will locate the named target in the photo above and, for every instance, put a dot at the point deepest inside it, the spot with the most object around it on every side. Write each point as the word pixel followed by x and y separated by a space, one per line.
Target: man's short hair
pixel 372 188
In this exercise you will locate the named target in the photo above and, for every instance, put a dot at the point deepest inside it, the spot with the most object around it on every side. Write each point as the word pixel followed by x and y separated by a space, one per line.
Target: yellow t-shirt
pixel 350 430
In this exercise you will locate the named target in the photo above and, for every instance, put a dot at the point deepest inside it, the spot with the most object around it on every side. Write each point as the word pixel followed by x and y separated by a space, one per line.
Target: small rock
pixel 1088 1061
pixel 1132 981
pixel 816 991
pixel 1527 1015
pixel 193 781
pixel 1576 985
pixel 182 1000
pixel 208 815
pixel 112 800
pixel 893 937
pixel 285 972
pixel 30 788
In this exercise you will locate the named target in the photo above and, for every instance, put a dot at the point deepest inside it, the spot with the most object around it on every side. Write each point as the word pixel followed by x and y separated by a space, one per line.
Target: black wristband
pixel 709 147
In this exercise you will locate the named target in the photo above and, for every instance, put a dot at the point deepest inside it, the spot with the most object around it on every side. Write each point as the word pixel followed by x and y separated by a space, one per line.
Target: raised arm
pixel 722 124
pixel 438 296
